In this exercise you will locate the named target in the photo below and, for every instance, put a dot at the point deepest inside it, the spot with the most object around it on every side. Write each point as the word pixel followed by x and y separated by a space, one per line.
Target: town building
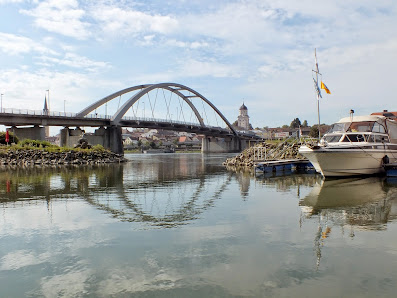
pixel 243 120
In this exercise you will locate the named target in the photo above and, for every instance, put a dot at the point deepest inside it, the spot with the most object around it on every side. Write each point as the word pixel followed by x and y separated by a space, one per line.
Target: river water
pixel 181 225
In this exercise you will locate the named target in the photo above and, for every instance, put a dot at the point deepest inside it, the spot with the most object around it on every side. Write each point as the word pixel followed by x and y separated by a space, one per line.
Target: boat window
pixel 339 127
pixel 370 139
pixel 378 128
pixel 354 138
pixel 332 138
pixel 361 126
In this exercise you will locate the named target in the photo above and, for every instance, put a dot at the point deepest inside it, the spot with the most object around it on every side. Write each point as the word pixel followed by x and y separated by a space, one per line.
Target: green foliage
pixel 36 143
pixel 305 124
pixel 295 123
pixel 13 138
pixel 313 132
pixel 46 146
pixel 99 148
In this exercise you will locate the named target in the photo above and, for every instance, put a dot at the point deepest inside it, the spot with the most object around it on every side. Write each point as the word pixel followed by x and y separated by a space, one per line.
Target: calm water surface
pixel 180 225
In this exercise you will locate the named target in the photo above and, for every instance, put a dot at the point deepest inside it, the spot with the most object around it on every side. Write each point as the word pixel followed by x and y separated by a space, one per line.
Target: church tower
pixel 243 120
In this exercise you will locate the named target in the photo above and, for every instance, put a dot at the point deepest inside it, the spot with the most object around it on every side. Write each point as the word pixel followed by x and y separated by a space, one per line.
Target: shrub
pixel 36 143
pixel 98 148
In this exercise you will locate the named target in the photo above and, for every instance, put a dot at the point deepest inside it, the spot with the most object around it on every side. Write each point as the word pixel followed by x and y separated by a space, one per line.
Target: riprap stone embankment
pixel 267 151
pixel 42 157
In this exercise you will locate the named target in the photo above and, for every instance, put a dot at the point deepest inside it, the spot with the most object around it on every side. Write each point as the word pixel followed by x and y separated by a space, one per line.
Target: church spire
pixel 45 109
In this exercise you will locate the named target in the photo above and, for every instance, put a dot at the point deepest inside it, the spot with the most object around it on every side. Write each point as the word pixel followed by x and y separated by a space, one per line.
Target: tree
pixel 314 131
pixel 305 124
pixel 13 138
pixel 295 123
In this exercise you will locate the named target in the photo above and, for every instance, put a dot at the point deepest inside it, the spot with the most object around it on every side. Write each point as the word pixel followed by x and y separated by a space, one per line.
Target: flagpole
pixel 318 96
pixel 318 115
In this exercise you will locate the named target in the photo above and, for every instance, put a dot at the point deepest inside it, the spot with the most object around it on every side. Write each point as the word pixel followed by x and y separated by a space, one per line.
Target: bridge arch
pixel 146 88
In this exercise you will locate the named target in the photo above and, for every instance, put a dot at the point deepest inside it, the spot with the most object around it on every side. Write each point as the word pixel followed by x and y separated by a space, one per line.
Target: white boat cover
pixel 363 118
pixel 389 123
pixel 392 129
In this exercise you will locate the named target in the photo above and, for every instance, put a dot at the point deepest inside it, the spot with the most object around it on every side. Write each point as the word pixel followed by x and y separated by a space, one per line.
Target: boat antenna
pixel 317 72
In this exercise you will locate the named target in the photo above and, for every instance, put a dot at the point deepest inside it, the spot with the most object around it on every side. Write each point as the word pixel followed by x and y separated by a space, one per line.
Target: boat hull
pixel 342 162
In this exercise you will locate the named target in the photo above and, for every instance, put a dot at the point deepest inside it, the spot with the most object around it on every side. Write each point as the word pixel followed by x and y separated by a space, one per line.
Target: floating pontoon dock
pixel 391 169
pixel 282 165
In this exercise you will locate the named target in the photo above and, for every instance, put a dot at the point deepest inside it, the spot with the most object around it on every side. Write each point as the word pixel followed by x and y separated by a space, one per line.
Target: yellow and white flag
pixel 323 86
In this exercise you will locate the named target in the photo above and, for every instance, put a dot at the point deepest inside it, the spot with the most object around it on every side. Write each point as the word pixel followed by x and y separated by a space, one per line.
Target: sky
pixel 258 52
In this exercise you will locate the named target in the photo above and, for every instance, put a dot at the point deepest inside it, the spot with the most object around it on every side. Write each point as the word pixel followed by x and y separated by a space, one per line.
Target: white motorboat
pixel 359 145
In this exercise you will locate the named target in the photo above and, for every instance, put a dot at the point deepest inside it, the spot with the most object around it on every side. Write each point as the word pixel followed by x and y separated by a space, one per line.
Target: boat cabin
pixel 362 129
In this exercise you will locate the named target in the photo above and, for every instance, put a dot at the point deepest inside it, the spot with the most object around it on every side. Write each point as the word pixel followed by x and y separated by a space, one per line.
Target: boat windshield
pixel 362 126
pixel 366 126
pixel 339 127
pixel 332 138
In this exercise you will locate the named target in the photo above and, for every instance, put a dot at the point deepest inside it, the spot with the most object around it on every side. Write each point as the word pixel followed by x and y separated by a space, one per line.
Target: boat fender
pixel 385 160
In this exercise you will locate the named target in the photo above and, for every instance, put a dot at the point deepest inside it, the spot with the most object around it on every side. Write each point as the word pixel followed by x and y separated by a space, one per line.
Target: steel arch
pixel 146 88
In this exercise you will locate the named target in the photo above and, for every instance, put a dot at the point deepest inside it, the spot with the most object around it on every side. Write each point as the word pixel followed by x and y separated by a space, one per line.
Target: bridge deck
pixel 18 117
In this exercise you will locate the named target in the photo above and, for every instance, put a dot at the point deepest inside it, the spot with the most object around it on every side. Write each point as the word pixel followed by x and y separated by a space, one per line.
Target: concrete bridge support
pixel 109 137
pixel 222 145
pixel 34 133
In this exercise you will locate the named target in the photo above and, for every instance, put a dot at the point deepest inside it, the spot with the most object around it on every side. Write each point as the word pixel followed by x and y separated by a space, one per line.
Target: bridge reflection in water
pixel 162 193
pixel 179 190
pixel 107 231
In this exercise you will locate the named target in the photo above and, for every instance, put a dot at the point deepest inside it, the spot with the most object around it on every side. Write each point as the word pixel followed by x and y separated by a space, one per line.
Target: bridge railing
pixel 37 112
pixel 99 116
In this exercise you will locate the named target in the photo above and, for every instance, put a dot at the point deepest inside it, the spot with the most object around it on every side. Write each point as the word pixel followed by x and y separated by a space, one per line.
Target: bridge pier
pixel 109 137
pixel 222 145
pixel 34 133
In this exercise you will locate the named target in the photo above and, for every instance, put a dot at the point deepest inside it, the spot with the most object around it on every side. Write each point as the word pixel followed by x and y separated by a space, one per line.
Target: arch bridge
pixel 168 105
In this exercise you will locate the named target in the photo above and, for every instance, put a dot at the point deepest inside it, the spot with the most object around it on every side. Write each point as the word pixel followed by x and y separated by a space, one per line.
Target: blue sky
pixel 259 52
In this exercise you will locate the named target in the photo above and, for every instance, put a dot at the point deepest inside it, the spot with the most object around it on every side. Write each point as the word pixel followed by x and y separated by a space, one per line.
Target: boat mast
pixel 318 93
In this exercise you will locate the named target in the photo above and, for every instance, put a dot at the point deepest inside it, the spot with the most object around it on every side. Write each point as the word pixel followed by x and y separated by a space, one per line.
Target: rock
pixel 284 150
pixel 39 157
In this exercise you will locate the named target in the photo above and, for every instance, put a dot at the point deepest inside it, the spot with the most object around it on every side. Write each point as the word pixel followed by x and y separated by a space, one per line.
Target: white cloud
pixel 186 44
pixel 116 20
pixel 10 1
pixel 12 44
pixel 263 43
pixel 75 61
pixel 62 17
pixel 23 88
pixel 196 68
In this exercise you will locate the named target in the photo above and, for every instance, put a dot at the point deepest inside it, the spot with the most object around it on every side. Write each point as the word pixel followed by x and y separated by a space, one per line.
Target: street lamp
pixel 64 106
pixel 1 108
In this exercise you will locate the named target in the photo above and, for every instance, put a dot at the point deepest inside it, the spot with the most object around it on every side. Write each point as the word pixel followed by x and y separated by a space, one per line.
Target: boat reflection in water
pixel 367 202
pixel 352 204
